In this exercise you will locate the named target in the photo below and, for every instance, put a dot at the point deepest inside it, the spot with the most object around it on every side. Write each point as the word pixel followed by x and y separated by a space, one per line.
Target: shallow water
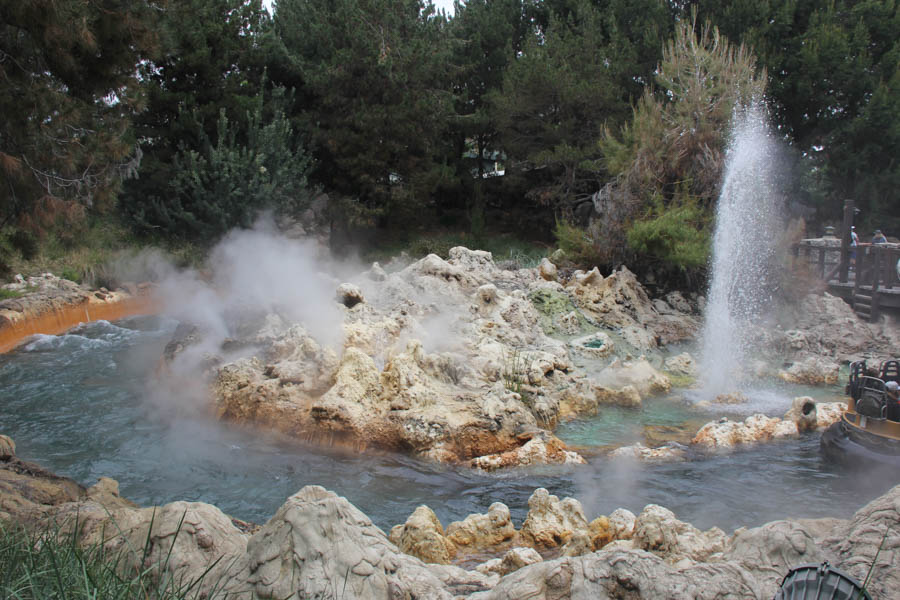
pixel 77 404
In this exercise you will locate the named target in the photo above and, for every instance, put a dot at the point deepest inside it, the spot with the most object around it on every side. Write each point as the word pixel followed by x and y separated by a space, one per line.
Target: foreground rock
pixel 318 545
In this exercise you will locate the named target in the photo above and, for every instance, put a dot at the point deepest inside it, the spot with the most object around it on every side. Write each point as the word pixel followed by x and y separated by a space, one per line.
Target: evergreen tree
pixel 67 91
pixel 669 160
pixel 212 62
pixel 579 68
pixel 832 69
pixel 376 95
pixel 487 36
pixel 227 182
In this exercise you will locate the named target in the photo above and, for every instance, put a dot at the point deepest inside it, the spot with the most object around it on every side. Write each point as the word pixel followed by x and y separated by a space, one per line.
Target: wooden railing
pixel 867 275
pixel 876 264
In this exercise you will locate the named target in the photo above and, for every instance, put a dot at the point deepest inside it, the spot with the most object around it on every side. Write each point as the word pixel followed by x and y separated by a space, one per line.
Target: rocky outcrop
pixel 871 540
pixel 448 359
pixel 657 530
pixel 812 370
pixel 423 537
pixel 619 301
pixel 479 531
pixel 825 326
pixel 51 305
pixel 804 415
pixel 551 522
pixel 318 545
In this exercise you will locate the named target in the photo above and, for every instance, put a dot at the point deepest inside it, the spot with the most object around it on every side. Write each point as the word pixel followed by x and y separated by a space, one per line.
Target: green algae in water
pixel 595 343
pixel 619 426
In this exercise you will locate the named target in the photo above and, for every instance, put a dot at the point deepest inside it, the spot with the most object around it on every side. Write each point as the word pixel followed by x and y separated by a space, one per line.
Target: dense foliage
pixel 212 110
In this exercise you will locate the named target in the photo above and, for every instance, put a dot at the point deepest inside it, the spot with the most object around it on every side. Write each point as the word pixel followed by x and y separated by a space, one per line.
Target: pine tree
pixel 67 92
pixel 372 74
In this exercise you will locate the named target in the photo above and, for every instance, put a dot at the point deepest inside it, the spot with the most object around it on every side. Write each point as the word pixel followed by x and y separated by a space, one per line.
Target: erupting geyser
pixel 746 231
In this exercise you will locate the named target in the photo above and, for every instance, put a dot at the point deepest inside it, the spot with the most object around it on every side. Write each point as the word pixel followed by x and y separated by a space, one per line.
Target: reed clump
pixel 50 564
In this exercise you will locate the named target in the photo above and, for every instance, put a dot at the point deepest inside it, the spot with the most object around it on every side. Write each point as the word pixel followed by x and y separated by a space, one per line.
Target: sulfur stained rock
pixel 349 295
pixel 551 522
pixel 539 450
pixel 639 373
pixel 483 530
pixel 547 270
pixel 7 447
pixel 682 364
pixel 828 413
pixel 423 537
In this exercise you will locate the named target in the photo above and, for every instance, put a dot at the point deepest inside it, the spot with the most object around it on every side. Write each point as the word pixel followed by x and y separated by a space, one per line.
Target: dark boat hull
pixel 844 443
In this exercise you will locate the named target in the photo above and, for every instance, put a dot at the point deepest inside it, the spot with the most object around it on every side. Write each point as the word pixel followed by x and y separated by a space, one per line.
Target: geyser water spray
pixel 747 229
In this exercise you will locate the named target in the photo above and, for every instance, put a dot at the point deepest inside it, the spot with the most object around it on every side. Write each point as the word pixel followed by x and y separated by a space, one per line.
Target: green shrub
pixel 676 237
pixel 579 245
pixel 72 274
pixel 6 294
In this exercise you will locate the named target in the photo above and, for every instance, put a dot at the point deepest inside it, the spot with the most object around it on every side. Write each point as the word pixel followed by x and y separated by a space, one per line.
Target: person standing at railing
pixel 879 238
pixel 854 242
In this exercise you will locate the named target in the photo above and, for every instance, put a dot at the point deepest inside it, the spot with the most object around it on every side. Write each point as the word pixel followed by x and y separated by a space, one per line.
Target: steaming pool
pixel 77 404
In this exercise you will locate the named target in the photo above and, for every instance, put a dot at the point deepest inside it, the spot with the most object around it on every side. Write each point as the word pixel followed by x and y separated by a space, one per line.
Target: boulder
pixel 670 452
pixel 7 447
pixel 423 537
pixel 539 450
pixel 724 434
pixel 812 370
pixel 621 521
pixel 551 522
pixel 182 541
pixel 483 530
pixel 318 545
pixel 627 396
pixel 657 530
pixel 639 373
pixel 547 270
pixel 828 413
pixel 681 364
pixel 516 558
pixel 803 413
pixel 349 295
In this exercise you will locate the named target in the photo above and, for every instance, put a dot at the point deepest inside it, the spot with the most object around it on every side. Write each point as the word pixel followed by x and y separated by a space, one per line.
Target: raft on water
pixel 868 433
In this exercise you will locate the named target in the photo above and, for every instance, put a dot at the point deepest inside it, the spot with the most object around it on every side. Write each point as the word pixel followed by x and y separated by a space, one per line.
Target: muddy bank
pixel 319 545
pixel 51 305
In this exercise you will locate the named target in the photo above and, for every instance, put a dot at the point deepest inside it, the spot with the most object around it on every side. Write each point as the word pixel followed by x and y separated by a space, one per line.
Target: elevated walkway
pixel 870 285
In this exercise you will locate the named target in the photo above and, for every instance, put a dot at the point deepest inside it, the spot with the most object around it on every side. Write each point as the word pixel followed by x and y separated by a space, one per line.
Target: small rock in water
pixel 731 398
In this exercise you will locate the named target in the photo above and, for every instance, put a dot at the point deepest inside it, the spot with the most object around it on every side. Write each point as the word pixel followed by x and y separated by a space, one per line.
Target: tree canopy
pixel 403 114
